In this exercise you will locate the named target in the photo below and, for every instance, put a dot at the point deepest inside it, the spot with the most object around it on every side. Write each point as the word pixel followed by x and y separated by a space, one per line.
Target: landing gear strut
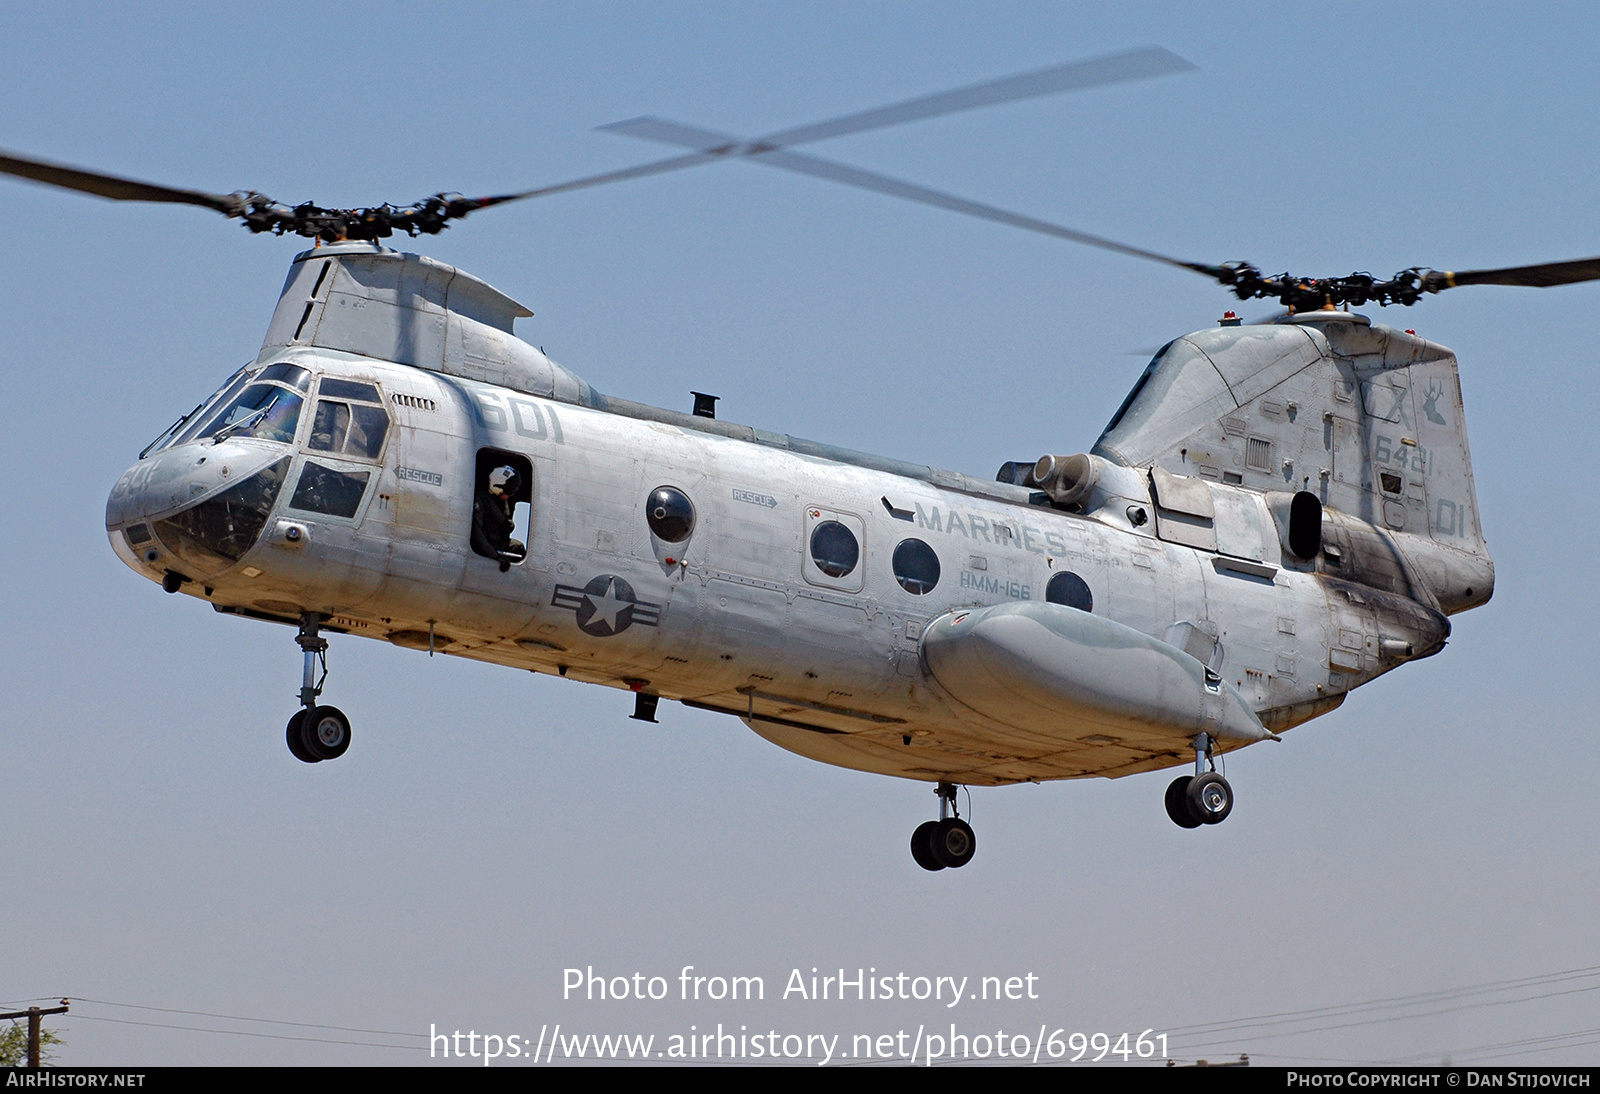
pixel 1204 797
pixel 315 733
pixel 947 843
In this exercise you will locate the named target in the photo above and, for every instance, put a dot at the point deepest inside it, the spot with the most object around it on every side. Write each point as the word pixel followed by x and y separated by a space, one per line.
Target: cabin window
pixel 916 567
pixel 670 514
pixel 834 548
pixel 1068 589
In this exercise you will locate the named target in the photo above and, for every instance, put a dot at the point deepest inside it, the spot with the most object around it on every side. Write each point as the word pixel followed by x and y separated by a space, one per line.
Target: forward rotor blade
pixel 110 186
pixel 658 167
pixel 261 214
pixel 1542 276
pixel 1135 64
pixel 709 141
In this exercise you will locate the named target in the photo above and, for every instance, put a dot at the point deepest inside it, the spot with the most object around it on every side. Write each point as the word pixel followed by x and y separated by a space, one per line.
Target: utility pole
pixel 33 1014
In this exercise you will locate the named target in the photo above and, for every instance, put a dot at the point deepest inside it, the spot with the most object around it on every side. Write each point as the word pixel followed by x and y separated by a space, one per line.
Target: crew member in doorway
pixel 493 517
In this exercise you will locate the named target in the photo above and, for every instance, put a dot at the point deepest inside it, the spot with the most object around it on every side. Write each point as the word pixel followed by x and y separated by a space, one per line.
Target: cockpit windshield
pixel 276 423
pixel 265 411
pixel 184 428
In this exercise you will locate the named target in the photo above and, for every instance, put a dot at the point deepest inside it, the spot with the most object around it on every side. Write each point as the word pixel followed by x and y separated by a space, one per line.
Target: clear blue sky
pixel 489 828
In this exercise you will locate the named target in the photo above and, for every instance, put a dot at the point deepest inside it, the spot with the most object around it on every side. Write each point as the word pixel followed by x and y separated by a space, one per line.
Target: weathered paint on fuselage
pixel 735 619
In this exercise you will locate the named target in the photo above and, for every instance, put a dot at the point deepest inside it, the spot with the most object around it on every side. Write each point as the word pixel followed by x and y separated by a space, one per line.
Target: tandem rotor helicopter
pixel 1276 514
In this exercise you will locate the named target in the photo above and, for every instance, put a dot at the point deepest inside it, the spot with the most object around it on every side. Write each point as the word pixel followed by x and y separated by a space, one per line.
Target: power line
pixel 242 1018
pixel 252 1033
pixel 1412 1006
pixel 1392 1001
pixel 1402 1017
pixel 1521 1046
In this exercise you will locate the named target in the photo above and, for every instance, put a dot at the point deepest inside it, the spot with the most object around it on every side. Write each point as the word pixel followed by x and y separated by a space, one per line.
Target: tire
pixel 953 843
pixel 325 733
pixel 922 846
pixel 1210 798
pixel 297 747
pixel 1177 807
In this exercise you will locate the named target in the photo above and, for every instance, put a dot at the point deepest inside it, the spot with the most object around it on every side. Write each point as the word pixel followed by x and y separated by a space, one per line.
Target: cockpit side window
pixel 329 490
pixel 348 428
pixel 329 427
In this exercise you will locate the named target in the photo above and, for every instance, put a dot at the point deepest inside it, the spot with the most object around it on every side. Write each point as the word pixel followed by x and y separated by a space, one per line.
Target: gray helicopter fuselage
pixel 983 632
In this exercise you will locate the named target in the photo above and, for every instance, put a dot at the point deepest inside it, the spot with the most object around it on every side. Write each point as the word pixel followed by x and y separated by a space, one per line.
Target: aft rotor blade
pixel 867 180
pixel 1542 276
pixel 714 143
pixel 110 186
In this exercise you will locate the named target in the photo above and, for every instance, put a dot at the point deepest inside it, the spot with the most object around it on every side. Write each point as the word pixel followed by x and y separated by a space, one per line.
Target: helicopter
pixel 1278 513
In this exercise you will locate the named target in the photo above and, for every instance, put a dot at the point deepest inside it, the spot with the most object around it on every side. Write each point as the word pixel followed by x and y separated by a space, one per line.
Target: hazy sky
pixel 489 828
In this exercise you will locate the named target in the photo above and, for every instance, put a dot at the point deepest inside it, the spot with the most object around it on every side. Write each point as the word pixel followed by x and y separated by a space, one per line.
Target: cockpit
pixel 210 481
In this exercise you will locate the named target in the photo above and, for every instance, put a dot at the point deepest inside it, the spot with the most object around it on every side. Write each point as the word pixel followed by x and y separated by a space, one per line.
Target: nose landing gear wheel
pixel 315 733
pixel 1177 804
pixel 325 732
pixel 297 747
pixel 922 846
pixel 1209 798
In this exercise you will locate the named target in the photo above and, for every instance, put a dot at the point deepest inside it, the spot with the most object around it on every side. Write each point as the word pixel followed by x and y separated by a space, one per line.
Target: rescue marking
pixel 411 474
pixel 753 498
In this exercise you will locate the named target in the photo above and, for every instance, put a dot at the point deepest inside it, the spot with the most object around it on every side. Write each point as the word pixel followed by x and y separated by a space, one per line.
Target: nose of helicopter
pixel 194 509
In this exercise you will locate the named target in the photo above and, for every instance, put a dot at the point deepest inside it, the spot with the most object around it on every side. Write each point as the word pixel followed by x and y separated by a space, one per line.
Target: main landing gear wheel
pixel 1178 805
pixel 325 732
pixel 954 843
pixel 296 746
pixel 947 843
pixel 922 846
pixel 1204 797
pixel 1209 798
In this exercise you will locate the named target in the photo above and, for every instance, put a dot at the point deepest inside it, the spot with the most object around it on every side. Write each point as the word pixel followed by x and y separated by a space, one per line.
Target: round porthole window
pixel 670 514
pixel 916 567
pixel 834 548
pixel 1069 589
